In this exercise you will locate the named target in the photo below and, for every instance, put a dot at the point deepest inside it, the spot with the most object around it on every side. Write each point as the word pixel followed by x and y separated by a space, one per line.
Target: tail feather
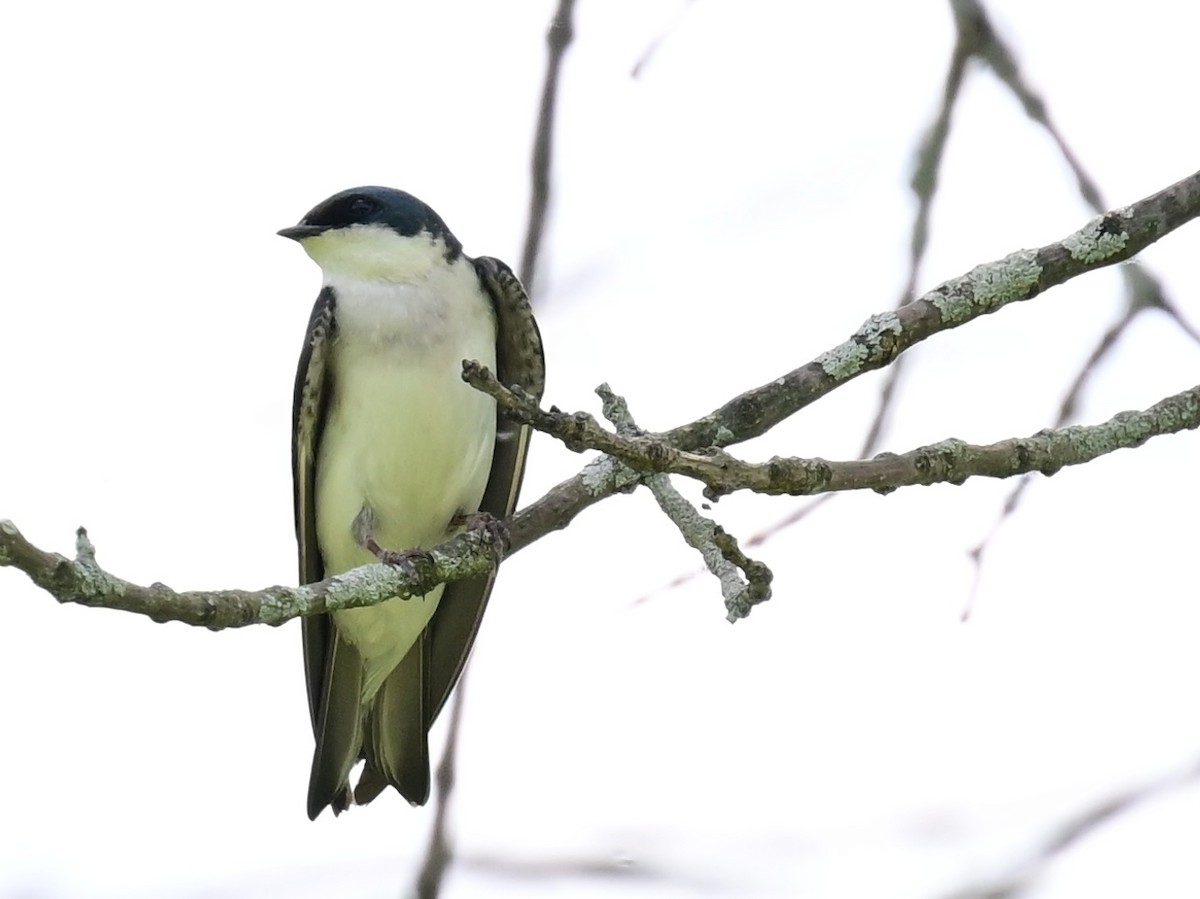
pixel 391 735
pixel 339 731
pixel 396 744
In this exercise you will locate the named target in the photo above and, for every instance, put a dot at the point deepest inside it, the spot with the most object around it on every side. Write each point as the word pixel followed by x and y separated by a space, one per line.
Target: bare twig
pixel 559 37
pixel 440 853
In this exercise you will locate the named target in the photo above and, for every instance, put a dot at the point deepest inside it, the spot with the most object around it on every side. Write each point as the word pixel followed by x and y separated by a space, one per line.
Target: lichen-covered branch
pixel 81 580
pixel 950 461
pixel 954 461
pixel 694 449
pixel 719 550
pixel 1107 239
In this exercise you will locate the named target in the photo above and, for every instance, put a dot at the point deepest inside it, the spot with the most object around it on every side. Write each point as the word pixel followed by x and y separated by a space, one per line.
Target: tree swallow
pixel 391 451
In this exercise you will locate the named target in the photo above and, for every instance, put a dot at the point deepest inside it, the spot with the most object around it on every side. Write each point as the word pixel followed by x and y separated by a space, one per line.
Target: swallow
pixel 391 451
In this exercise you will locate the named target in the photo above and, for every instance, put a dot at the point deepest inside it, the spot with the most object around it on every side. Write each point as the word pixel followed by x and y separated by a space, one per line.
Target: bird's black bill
pixel 299 232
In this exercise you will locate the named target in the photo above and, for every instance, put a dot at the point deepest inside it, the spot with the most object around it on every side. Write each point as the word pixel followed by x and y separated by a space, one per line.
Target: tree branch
pixel 949 461
pixel 470 554
pixel 1107 239
pixel 718 549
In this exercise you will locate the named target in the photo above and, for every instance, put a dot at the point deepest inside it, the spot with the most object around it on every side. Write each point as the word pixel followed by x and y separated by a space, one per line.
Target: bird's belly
pixel 411 444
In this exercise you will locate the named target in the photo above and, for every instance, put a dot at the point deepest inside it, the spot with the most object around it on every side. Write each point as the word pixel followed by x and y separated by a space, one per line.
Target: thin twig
pixel 744 582
pixel 440 852
pixel 559 37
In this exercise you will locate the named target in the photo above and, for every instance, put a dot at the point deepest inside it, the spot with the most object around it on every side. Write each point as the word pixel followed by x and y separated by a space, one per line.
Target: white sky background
pixel 726 217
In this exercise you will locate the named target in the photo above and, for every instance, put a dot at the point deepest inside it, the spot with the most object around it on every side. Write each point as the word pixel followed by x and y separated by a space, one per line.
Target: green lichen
pixel 1009 279
pixel 844 361
pixel 1098 240
pixel 605 475
pixel 880 328
pixel 988 287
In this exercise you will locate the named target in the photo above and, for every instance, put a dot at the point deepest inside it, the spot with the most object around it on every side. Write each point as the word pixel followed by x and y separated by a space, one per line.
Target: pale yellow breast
pixel 403 436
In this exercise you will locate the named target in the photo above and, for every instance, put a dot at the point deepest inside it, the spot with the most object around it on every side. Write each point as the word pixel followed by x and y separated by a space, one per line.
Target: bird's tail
pixel 395 742
pixel 339 731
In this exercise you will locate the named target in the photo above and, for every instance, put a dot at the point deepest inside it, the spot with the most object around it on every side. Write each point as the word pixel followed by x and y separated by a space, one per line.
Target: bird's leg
pixel 400 558
pixel 364 525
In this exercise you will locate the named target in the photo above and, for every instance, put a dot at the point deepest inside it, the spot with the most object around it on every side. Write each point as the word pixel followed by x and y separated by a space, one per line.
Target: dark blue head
pixel 384 206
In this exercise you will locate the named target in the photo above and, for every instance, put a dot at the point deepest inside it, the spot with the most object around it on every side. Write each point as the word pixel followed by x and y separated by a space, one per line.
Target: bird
pixel 392 451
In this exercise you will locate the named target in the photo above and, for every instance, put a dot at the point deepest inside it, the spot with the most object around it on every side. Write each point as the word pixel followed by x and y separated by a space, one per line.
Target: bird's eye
pixel 361 205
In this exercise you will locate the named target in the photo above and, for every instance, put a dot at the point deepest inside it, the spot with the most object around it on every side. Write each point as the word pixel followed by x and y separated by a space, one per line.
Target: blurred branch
pixel 559 37
pixel 975 31
pixel 648 53
pixel 439 853
pixel 1023 876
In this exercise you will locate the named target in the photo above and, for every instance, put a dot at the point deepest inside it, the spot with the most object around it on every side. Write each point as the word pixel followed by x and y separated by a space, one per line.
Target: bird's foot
pixel 487 526
pixel 398 558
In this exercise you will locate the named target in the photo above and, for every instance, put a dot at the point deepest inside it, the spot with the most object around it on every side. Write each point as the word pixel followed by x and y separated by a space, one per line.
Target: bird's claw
pixel 488 526
pixel 403 559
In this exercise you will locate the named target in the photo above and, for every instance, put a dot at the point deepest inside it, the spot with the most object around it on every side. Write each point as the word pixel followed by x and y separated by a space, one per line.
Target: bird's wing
pixel 333 690
pixel 519 360
pixel 308 419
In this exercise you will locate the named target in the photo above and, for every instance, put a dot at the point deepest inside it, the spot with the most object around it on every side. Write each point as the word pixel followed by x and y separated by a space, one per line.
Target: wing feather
pixel 308 419
pixel 519 360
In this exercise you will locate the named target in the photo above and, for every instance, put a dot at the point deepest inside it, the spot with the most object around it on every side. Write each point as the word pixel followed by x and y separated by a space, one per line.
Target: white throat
pixel 376 253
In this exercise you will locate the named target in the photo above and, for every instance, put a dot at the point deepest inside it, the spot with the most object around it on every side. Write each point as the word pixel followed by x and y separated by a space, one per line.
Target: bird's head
pixel 375 233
